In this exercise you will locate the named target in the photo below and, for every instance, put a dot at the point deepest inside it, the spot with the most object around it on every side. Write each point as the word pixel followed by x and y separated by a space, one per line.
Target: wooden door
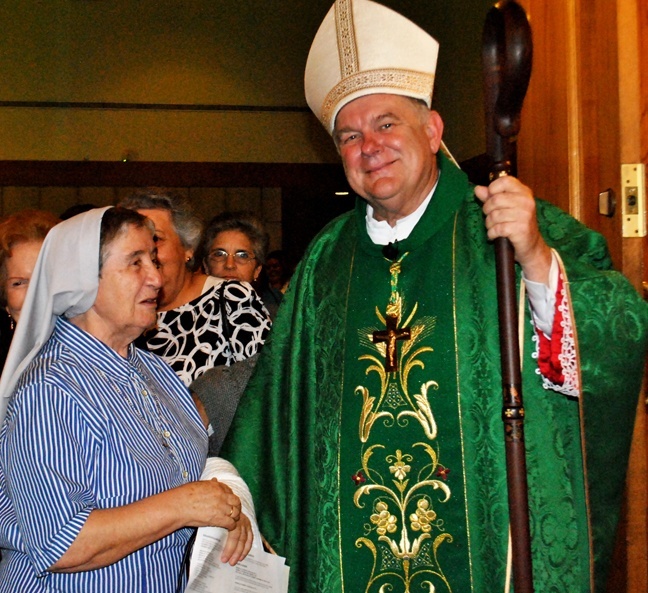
pixel 586 113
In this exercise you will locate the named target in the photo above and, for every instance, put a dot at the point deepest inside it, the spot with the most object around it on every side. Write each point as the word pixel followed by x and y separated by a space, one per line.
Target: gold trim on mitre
pixel 353 80
pixel 407 81
pixel 362 48
pixel 347 47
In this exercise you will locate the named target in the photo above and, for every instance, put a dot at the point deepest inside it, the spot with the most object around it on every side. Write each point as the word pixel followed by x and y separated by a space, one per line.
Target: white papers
pixel 259 572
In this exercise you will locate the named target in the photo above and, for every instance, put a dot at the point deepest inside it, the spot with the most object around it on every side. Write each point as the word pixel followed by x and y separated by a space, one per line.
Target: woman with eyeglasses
pixel 189 332
pixel 234 246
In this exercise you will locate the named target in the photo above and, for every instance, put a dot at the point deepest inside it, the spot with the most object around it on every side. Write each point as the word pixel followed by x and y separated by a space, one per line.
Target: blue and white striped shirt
pixel 87 429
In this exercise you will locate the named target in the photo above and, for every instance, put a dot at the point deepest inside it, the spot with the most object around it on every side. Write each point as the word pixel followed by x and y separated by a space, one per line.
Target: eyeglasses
pixel 240 257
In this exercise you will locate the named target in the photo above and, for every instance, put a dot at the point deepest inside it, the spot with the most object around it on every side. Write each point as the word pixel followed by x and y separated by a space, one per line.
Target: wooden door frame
pixel 632 29
pixel 586 113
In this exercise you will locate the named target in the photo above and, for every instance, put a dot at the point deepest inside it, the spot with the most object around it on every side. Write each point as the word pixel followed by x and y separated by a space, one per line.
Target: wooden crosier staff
pixel 506 56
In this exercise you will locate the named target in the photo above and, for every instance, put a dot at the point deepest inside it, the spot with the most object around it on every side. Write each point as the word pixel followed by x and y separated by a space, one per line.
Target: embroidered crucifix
pixel 390 335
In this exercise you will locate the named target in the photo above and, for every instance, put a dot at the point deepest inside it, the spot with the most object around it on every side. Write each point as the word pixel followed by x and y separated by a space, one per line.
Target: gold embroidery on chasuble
pixel 400 482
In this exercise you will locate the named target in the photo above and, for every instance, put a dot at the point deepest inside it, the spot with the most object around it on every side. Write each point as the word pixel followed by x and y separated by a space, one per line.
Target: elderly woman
pixel 234 246
pixel 189 331
pixel 101 446
pixel 21 237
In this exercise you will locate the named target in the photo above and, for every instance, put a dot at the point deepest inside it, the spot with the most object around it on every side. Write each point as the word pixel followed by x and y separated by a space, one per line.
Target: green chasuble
pixel 371 433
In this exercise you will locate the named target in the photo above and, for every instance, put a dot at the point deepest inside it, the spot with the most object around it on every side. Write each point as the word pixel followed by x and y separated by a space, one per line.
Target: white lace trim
pixel 567 357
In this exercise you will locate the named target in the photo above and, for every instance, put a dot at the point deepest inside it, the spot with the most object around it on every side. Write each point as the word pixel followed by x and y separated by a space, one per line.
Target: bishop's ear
pixel 434 129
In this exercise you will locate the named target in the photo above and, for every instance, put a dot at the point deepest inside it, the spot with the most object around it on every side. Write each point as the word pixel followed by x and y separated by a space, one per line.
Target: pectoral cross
pixel 390 335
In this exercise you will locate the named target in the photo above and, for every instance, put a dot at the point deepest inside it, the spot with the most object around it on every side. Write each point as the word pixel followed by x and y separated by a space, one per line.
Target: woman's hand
pixel 210 503
pixel 239 541
pixel 222 508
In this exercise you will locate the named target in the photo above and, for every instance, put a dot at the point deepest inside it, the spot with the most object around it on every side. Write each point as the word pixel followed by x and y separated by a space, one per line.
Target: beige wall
pixel 222 57
pixel 111 135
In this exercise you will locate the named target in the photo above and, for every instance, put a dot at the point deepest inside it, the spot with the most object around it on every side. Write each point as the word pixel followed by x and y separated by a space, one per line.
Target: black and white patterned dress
pixel 190 337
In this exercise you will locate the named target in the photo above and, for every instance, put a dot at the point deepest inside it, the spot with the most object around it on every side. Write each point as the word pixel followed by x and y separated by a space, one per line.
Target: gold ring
pixel 231 511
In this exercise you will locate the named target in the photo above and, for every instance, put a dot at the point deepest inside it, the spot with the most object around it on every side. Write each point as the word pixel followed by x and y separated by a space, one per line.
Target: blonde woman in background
pixel 21 237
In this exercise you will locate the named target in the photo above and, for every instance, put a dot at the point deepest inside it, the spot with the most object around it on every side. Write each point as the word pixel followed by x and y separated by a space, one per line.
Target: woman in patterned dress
pixel 189 331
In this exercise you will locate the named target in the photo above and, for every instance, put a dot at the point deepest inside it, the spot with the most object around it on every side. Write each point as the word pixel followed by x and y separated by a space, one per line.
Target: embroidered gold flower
pixel 383 519
pixel 400 469
pixel 422 517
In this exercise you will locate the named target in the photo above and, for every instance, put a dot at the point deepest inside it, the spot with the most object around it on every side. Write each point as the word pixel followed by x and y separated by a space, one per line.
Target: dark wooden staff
pixel 506 56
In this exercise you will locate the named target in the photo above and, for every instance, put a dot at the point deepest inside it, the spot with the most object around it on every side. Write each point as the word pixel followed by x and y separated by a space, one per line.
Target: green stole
pixel 402 501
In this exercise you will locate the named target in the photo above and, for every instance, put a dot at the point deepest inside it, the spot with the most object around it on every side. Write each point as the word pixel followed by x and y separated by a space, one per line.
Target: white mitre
pixel 363 48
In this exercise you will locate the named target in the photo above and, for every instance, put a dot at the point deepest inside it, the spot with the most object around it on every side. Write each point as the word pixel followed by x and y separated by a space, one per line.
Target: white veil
pixel 64 282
